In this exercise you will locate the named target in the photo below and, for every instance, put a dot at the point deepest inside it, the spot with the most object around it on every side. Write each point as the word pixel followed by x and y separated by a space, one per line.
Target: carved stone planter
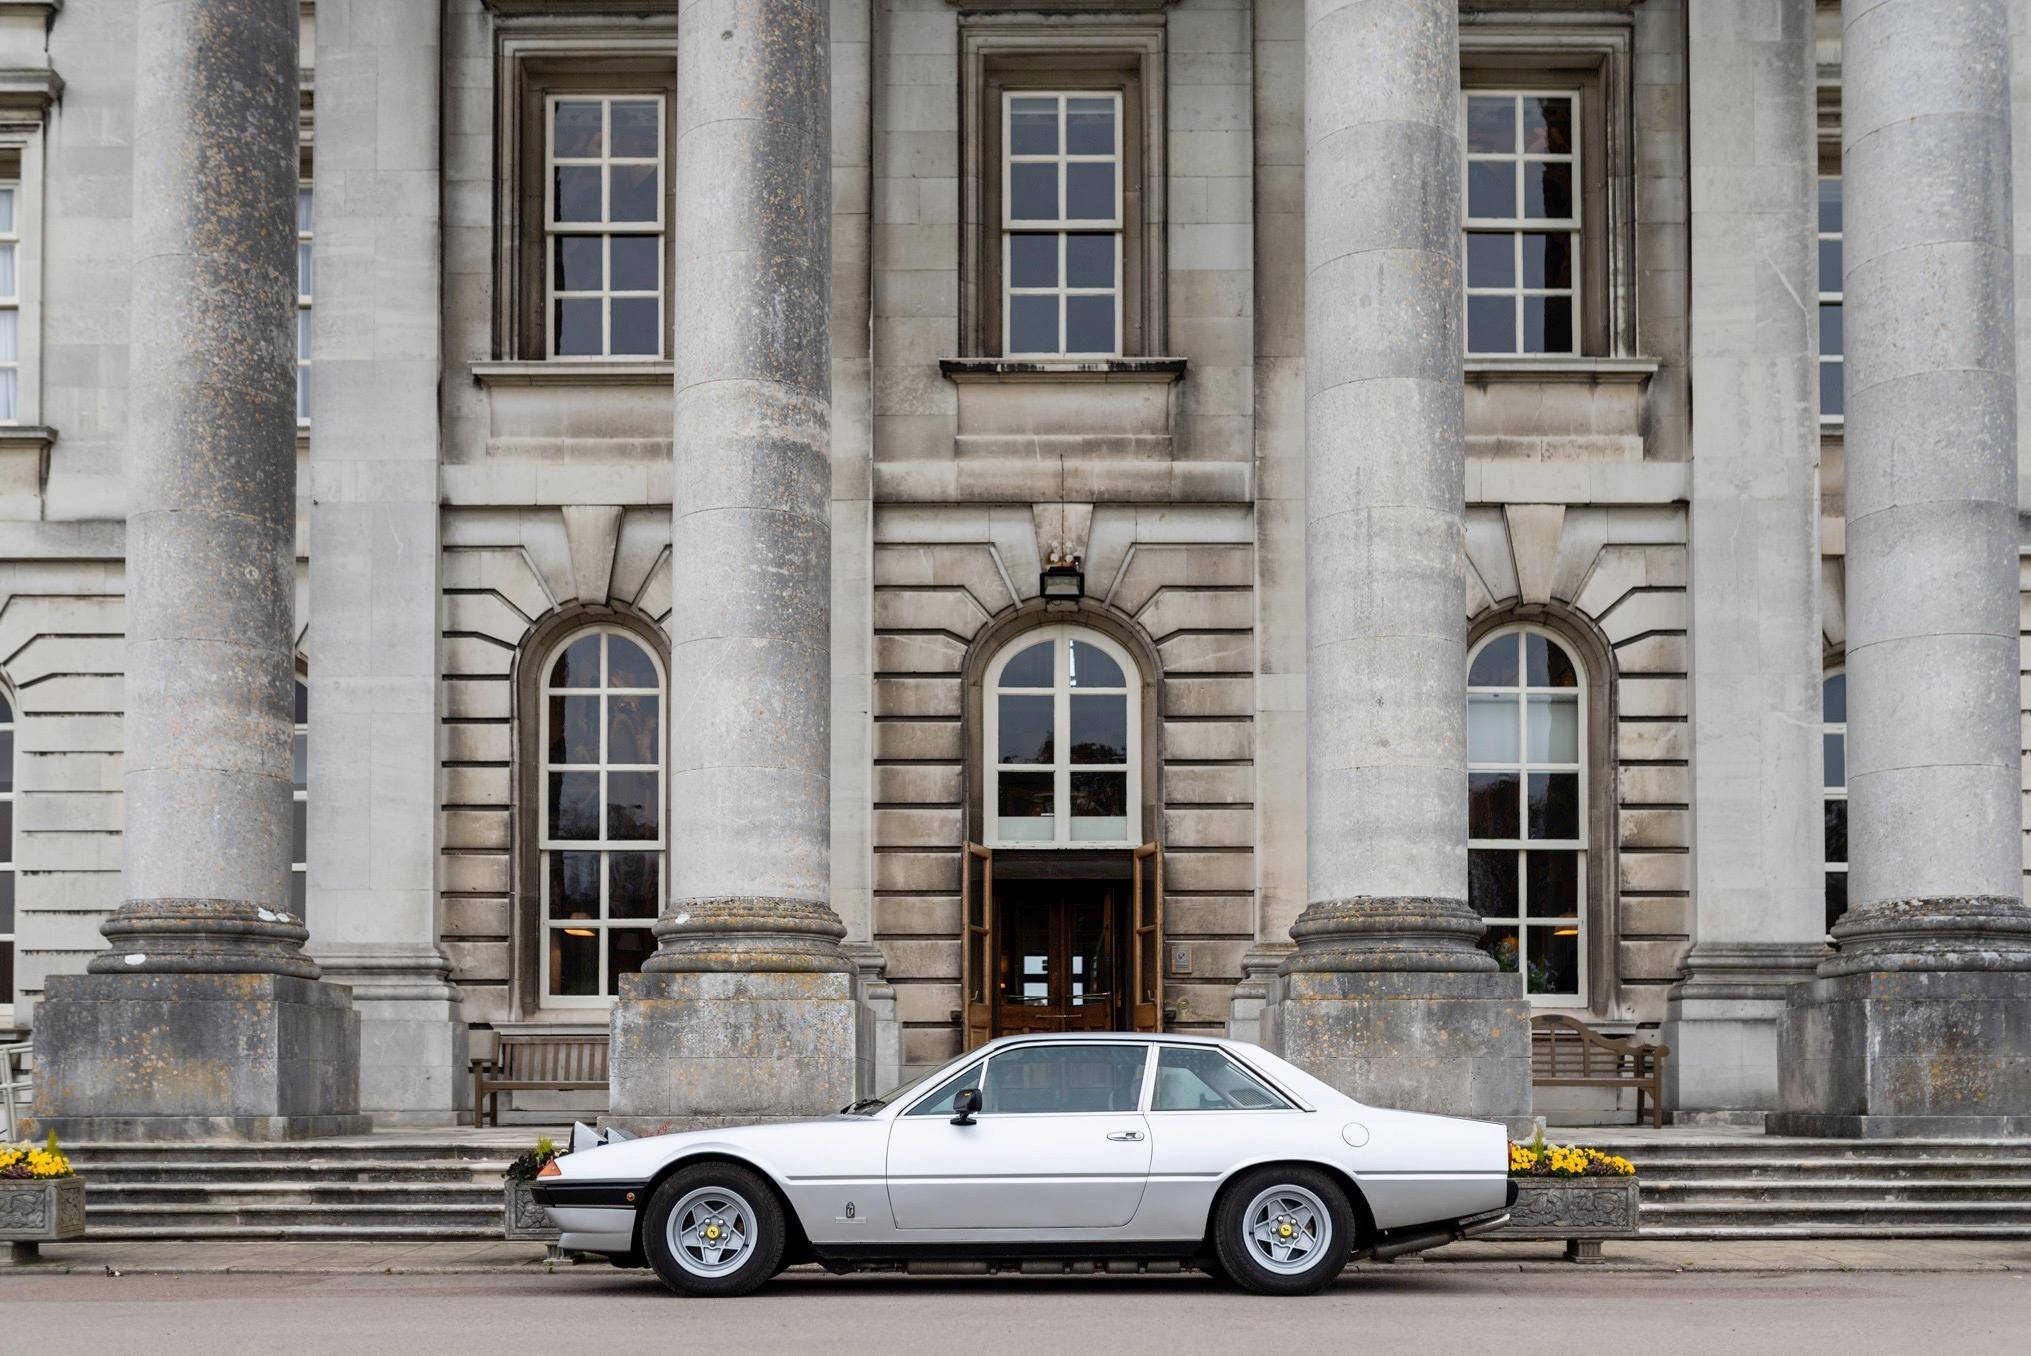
pixel 33 1213
pixel 1580 1210
pixel 522 1220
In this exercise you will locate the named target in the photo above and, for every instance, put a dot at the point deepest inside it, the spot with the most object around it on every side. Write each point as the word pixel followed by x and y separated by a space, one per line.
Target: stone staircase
pixel 1722 1186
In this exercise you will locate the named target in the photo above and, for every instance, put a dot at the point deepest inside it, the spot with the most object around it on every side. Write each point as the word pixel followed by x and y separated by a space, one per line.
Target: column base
pixel 1448 1042
pixel 196 1056
pixel 698 1048
pixel 1720 1021
pixel 415 1053
pixel 1259 966
pixel 1906 1052
pixel 879 1063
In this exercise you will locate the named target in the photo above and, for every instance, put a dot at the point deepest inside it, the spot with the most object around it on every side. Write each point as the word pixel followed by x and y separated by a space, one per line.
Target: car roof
pixel 1107 1037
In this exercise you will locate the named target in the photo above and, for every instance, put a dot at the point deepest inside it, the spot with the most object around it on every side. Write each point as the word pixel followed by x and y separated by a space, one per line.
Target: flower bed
pixel 1570 1192
pixel 41 1199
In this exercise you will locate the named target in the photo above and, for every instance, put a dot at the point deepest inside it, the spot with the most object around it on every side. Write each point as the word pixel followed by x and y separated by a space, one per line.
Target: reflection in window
pixel 1526 809
pixel 1832 340
pixel 602 814
pixel 1060 720
pixel 1523 222
pixel 604 226
pixel 1042 1080
pixel 1197 1078
pixel 1833 714
pixel 1061 224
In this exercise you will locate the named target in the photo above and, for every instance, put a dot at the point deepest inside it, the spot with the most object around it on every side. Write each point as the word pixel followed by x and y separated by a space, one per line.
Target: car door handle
pixel 1126 1136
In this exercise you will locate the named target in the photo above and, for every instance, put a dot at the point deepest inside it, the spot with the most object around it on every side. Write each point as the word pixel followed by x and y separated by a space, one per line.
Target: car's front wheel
pixel 1283 1230
pixel 714 1229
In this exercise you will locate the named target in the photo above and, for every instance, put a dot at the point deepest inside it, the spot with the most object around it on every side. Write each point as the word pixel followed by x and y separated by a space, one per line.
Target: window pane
pixel 1495 665
pixel 1554 730
pixel 1089 126
pixel 1492 810
pixel 1554 805
pixel 306 270
pixel 1548 190
pixel 628 665
pixel 1089 261
pixel 939 1103
pixel 1491 124
pixel 634 125
pixel 1547 259
pixel 578 326
pixel 574 805
pixel 1089 324
pixel 1554 960
pixel 7 910
pixel 1836 897
pixel 1033 324
pixel 1491 882
pixel 1831 337
pixel 1548 126
pixel 1033 127
pixel 634 192
pixel 631 804
pixel 1089 191
pixel 299 831
pixel 1547 325
pixel 1491 324
pixel 1830 265
pixel 637 326
pixel 1837 830
pixel 1833 398
pixel 577 193
pixel 1025 805
pixel 631 884
pixel 1501 944
pixel 626 949
pixel 1099 795
pixel 7 210
pixel 1491 189
pixel 1835 758
pixel 1031 668
pixel 1091 666
pixel 1833 699
pixel 1830 205
pixel 577 134
pixel 1099 728
pixel 1026 730
pixel 1197 1079
pixel 574 962
pixel 578 666
pixel 574 729
pixel 633 733
pixel 1552 884
pixel 578 267
pixel 299 757
pixel 298 896
pixel 1033 192
pixel 1491 729
pixel 1064 1078
pixel 1491 260
pixel 1546 664
pixel 574 885
pixel 637 262
pixel 1032 260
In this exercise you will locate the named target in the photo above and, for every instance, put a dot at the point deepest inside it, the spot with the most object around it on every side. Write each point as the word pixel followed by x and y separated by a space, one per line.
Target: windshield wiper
pixel 864 1104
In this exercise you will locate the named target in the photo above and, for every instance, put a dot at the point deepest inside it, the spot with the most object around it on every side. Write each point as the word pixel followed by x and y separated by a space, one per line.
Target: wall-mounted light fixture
pixel 1062 578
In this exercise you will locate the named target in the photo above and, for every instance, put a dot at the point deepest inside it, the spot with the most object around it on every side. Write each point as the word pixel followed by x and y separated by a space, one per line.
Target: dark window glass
pixel 1491 324
pixel 1834 758
pixel 1089 191
pixel 637 262
pixel 574 729
pixel 578 134
pixel 637 326
pixel 1026 729
pixel 574 962
pixel 1554 960
pixel 1830 205
pixel 578 326
pixel 574 805
pixel 1491 882
pixel 626 949
pixel 578 666
pixel 1548 324
pixel 1501 944
pixel 1100 795
pixel 1033 324
pixel 1491 125
pixel 578 193
pixel 1548 190
pixel 1832 338
pixel 1546 665
pixel 1836 897
pixel 1033 192
pixel 1829 265
pixel 1089 126
pixel 1033 126
pixel 1491 260
pixel 1024 795
pixel 1495 666
pixel 939 1103
pixel 7 902
pixel 1059 1079
pixel 633 730
pixel 1547 260
pixel 1837 830
pixel 1032 260
pixel 302 704
pixel 299 831
pixel 1031 668
pixel 1552 882
pixel 631 885
pixel 1491 189
pixel 579 265
pixel 631 805
pixel 1089 262
pixel 1833 699
pixel 1548 126
pixel 1089 324
pixel 634 128
pixel 1090 666
pixel 1833 392
pixel 628 665
pixel 1554 805
pixel 574 885
pixel 1491 805
pixel 1099 728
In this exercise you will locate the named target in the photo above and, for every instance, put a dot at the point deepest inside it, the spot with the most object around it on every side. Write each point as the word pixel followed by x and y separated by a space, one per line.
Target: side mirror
pixel 965 1104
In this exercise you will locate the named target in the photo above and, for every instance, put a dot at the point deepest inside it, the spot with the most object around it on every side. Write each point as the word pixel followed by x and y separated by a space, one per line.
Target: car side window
pixel 1193 1078
pixel 939 1103
pixel 1042 1080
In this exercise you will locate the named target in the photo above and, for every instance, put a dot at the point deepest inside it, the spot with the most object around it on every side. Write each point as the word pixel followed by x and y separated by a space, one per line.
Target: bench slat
pixel 534 1061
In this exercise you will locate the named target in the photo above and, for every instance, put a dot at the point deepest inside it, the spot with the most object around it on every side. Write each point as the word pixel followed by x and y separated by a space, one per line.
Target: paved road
pixel 1407 1309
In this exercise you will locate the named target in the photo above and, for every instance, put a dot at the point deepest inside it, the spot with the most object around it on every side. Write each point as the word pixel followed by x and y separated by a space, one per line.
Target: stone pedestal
pixel 415 1055
pixel 1721 1024
pixel 196 1056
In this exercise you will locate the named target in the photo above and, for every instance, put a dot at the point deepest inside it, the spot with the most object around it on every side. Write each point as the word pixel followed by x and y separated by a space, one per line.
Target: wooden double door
pixel 1062 942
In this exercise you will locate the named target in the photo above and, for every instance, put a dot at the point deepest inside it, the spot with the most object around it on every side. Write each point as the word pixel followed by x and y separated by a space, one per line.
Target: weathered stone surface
pixel 1572 1207
pixel 42 1211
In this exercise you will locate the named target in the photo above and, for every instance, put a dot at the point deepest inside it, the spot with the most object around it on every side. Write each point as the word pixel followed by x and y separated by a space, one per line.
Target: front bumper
pixel 591 1216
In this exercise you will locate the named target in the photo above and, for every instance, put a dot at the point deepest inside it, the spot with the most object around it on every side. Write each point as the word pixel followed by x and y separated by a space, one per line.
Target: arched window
pixel 1526 809
pixel 600 810
pixel 299 822
pixel 1061 722
pixel 1833 715
pixel 6 850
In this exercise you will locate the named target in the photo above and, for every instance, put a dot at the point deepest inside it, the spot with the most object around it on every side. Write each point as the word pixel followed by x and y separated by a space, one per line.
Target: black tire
pixel 1306 1201
pixel 721 1196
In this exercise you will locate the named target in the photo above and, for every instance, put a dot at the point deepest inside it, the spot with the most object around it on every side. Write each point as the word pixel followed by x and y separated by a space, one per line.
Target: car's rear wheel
pixel 1283 1230
pixel 714 1229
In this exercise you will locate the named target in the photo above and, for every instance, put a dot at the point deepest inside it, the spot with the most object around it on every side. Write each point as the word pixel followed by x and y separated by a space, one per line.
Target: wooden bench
pixel 1567 1053
pixel 532 1062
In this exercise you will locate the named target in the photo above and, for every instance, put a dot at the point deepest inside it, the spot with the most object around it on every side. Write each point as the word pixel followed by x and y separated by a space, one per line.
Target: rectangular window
pixel 6 851
pixel 10 302
pixel 303 289
pixel 603 225
pixel 1834 799
pixel 299 808
pixel 1832 342
pixel 1061 194
pixel 1522 202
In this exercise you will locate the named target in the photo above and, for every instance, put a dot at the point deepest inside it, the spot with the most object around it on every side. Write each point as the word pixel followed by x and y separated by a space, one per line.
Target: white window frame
pixel 1523 767
pixel 306 281
pixel 603 846
pixel 606 228
pixel 1061 767
pixel 10 302
pixel 1063 226
pixel 11 939
pixel 1832 296
pixel 1516 227
pixel 1834 729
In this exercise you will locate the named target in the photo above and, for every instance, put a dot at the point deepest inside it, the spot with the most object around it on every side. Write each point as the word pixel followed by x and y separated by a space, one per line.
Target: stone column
pixel 374 555
pixel 1757 663
pixel 747 1008
pixel 1387 995
pixel 206 1018
pixel 1920 1023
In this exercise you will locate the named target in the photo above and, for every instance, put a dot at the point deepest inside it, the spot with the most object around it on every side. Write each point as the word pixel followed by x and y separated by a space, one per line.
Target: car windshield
pixel 867 1106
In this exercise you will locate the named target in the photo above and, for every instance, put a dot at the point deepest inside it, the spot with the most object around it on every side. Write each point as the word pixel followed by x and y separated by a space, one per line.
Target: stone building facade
pixel 903 520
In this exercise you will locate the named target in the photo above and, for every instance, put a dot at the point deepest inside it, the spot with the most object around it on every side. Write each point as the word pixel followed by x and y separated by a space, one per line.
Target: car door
pixel 1059 1144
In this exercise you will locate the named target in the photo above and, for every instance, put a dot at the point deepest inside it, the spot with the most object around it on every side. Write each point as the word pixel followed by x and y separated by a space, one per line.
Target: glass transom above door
pixel 1062 742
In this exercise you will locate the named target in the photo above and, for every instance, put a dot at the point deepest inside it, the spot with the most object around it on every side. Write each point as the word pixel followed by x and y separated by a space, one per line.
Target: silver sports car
pixel 1102 1148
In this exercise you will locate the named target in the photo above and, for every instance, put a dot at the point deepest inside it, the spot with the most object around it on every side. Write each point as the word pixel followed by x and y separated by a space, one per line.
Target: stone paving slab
pixel 419 1258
